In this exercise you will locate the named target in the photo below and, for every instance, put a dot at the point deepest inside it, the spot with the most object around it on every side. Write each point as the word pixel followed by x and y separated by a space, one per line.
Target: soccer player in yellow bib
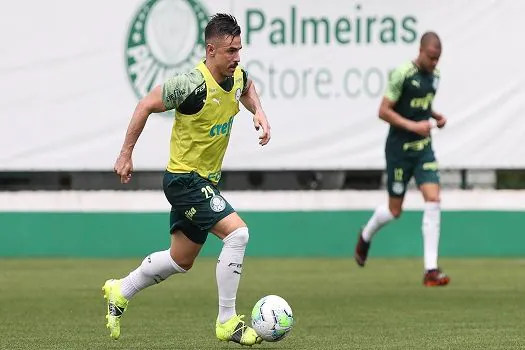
pixel 206 99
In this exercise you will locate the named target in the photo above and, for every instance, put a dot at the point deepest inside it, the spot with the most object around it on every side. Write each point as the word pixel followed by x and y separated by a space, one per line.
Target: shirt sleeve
pixel 177 88
pixel 244 80
pixel 395 85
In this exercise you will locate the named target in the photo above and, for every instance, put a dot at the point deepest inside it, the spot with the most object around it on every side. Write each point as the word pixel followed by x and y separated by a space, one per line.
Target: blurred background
pixel 72 73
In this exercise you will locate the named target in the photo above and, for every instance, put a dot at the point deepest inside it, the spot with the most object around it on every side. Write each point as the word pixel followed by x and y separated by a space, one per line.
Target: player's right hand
pixel 422 128
pixel 124 167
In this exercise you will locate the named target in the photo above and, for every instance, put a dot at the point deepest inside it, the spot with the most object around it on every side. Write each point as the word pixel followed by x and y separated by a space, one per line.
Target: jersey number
pixel 208 192
pixel 398 174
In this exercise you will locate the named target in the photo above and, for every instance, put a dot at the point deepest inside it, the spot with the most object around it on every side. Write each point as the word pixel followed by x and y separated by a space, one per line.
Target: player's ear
pixel 210 49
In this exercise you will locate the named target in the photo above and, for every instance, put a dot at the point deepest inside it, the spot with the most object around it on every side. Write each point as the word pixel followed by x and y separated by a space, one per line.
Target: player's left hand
pixel 260 121
pixel 440 120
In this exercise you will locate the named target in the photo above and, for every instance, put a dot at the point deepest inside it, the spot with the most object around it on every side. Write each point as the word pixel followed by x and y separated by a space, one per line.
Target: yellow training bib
pixel 199 141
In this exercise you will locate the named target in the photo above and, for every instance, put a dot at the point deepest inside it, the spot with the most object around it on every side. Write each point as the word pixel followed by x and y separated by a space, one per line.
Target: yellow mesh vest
pixel 199 141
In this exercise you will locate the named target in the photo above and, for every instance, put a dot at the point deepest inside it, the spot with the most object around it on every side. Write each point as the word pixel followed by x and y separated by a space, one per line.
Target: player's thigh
pixel 431 192
pixel 399 170
pixel 427 176
pixel 197 199
pixel 227 225
pixel 179 223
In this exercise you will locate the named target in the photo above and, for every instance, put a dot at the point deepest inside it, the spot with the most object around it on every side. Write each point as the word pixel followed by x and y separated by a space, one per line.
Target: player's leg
pixel 234 234
pixel 211 212
pixel 158 266
pixel 230 326
pixel 399 173
pixel 427 179
pixel 186 243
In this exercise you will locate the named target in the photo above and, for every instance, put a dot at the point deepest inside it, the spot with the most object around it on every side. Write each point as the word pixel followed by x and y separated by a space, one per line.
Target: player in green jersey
pixel 407 107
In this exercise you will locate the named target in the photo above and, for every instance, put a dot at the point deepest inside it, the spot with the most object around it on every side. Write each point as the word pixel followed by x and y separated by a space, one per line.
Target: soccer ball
pixel 272 318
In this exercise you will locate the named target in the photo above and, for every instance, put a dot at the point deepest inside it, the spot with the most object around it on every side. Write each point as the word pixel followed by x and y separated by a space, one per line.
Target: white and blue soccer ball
pixel 272 318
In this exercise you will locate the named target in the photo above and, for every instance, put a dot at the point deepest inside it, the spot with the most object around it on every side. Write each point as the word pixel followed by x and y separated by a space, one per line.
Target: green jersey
pixel 413 91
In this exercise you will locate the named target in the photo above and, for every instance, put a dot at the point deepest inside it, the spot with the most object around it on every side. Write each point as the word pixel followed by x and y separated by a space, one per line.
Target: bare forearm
pixel 135 127
pixel 152 103
pixel 395 119
pixel 436 115
pixel 251 100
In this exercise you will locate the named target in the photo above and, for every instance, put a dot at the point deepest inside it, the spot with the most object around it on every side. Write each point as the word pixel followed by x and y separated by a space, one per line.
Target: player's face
pixel 429 57
pixel 226 54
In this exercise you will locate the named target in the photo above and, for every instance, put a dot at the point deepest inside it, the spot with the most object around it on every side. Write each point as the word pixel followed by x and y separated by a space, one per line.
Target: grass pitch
pixel 58 304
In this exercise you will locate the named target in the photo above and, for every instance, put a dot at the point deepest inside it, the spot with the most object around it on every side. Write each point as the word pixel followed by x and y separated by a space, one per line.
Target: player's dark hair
pixel 430 37
pixel 222 24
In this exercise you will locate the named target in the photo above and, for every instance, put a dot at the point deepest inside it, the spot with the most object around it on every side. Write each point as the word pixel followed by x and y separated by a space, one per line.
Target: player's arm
pixel 250 100
pixel 440 119
pixel 389 115
pixel 151 103
pixel 162 98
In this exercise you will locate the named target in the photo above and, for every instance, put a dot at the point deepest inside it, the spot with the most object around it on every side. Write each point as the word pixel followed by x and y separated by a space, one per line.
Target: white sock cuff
pixel 160 263
pixel 227 302
pixel 384 213
pixel 176 266
pixel 432 205
pixel 240 236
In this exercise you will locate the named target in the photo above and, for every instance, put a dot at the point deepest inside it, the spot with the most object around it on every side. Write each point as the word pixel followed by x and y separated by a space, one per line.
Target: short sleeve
pixel 395 84
pixel 244 80
pixel 177 88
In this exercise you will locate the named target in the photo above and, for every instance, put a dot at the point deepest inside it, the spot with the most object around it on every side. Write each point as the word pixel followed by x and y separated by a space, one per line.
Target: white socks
pixel 158 266
pixel 381 217
pixel 155 268
pixel 228 272
pixel 431 230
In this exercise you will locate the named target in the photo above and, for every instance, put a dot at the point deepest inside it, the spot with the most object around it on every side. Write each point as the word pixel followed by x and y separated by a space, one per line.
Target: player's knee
pixel 395 205
pixel 161 264
pixel 238 237
pixel 183 262
pixel 396 212
pixel 186 267
pixel 432 198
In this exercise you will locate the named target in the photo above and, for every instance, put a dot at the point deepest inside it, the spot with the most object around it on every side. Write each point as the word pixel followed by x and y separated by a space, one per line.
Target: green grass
pixel 57 304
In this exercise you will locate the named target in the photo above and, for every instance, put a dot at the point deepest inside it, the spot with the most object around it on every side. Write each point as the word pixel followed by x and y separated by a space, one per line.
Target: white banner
pixel 72 72
pixel 258 201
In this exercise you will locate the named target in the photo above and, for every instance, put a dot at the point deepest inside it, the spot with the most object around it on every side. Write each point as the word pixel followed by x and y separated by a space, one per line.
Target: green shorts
pixel 196 204
pixel 402 165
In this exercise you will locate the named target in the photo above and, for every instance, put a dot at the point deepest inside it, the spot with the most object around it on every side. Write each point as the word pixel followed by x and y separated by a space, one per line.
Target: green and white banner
pixel 72 73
